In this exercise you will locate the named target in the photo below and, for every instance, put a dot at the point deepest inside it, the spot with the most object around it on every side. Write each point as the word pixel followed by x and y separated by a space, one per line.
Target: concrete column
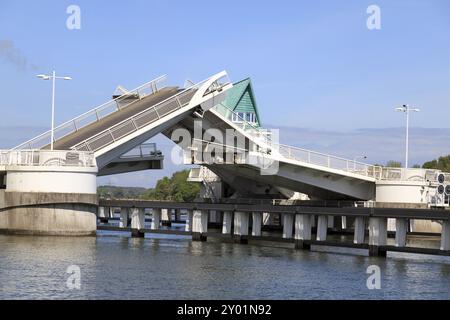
pixel 322 226
pixel 189 217
pixel 103 215
pixel 123 218
pixel 156 218
pixel 256 225
pixel 241 227
pixel 344 222
pixel 137 222
pixel 214 216
pixel 330 222
pixel 401 226
pixel 227 220
pixel 166 217
pixel 288 225
pixel 200 225
pixel 302 231
pixel 360 230
pixel 377 236
pixel 445 236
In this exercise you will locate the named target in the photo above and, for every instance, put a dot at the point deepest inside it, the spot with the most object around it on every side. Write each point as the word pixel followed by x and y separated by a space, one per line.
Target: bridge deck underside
pixel 91 130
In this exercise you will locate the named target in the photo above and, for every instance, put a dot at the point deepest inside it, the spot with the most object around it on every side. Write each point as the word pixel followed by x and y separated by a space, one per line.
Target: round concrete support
pixel 302 231
pixel 156 218
pixel 256 224
pixel 288 225
pixel 227 222
pixel 189 217
pixel 200 225
pixel 241 227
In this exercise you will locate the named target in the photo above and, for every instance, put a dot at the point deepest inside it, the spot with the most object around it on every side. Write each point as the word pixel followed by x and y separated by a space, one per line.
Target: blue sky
pixel 314 64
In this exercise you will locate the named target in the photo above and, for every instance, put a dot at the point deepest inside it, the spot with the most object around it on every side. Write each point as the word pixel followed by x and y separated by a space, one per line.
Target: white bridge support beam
pixel 288 225
pixel 200 225
pixel 256 225
pixel 303 231
pixel 241 227
pixel 322 226
pixel 445 236
pixel 137 222
pixel 343 222
pixel 360 230
pixel 189 217
pixel 377 236
pixel 227 222
pixel 401 226
pixel 123 217
pixel 156 218
pixel 166 217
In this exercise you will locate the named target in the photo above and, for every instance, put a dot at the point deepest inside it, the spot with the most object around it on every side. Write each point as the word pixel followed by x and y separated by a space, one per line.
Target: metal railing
pixel 47 158
pixel 95 114
pixel 311 157
pixel 140 120
pixel 143 150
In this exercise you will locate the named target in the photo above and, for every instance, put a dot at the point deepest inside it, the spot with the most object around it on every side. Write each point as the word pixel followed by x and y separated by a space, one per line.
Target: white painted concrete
pixel 227 220
pixel 156 218
pixel 137 218
pixel 189 217
pixel 165 215
pixel 101 213
pixel 330 222
pixel 445 236
pixel 256 225
pixel 401 227
pixel 360 229
pixel 123 218
pixel 241 223
pixel 302 227
pixel 200 221
pixel 377 231
pixel 344 222
pixel 322 226
pixel 288 225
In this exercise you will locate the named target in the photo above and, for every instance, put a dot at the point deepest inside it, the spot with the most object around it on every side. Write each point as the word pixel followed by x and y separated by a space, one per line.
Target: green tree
pixel 393 164
pixel 443 163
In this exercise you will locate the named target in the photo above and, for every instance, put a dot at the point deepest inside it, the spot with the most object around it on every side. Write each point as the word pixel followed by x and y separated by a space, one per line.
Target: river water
pixel 116 266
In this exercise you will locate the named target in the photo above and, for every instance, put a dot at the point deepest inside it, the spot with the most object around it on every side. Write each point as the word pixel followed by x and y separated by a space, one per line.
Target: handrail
pixel 75 123
pixel 132 120
pixel 47 158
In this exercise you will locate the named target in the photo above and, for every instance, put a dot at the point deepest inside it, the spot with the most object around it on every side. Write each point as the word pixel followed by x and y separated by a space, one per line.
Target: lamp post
pixel 356 159
pixel 407 109
pixel 53 77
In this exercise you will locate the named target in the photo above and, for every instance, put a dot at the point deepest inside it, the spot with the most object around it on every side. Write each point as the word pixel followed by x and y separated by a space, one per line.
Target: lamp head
pixel 43 76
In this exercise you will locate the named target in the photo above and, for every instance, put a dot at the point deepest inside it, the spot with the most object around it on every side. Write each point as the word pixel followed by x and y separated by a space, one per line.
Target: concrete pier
pixel 360 230
pixel 166 217
pixel 343 222
pixel 256 224
pixel 227 222
pixel 330 222
pixel 445 236
pixel 103 215
pixel 288 225
pixel 322 226
pixel 377 236
pixel 401 227
pixel 123 223
pixel 137 222
pixel 156 218
pixel 200 225
pixel 241 227
pixel 302 231
pixel 189 218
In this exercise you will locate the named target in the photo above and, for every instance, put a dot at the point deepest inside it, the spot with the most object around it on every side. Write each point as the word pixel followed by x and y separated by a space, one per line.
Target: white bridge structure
pixel 54 192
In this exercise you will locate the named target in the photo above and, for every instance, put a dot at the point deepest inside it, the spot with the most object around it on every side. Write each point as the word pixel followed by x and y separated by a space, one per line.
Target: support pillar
pixel 227 220
pixel 137 222
pixel 322 226
pixel 103 215
pixel 241 227
pixel 302 231
pixel 330 222
pixel 189 217
pixel 360 230
pixel 200 225
pixel 156 218
pixel 166 217
pixel 401 226
pixel 445 236
pixel 344 222
pixel 377 236
pixel 256 225
pixel 123 217
pixel 288 225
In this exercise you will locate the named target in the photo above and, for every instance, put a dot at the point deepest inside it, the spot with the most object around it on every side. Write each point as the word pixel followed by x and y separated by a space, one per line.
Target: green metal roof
pixel 241 98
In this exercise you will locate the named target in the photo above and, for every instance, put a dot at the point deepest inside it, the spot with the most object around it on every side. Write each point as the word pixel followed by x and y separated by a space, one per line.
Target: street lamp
pixel 53 77
pixel 407 109
pixel 356 159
